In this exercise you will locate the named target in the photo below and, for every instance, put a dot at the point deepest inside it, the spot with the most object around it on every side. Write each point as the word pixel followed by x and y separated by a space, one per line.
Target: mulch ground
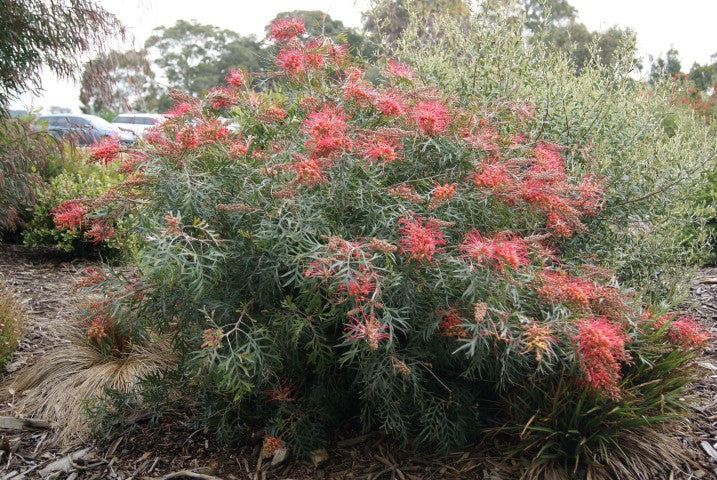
pixel 43 281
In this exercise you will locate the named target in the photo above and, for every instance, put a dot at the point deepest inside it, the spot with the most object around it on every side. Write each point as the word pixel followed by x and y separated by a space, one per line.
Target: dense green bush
pixel 74 177
pixel 24 152
pixel 652 153
pixel 394 254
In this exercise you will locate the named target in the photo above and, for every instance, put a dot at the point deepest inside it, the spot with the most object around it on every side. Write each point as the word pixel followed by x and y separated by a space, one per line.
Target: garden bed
pixel 44 282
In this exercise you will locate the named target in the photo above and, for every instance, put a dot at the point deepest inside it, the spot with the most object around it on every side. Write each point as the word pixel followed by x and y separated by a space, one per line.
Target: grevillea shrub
pixel 60 216
pixel 383 252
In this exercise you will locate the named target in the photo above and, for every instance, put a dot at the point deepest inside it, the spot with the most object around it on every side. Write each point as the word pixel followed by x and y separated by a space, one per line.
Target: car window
pixel 78 121
pixel 101 123
pixel 53 121
pixel 145 121
pixel 124 119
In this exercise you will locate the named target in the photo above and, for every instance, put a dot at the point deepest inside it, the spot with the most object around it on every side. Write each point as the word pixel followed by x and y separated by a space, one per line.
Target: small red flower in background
pixel 688 332
pixel 367 327
pixel 105 150
pixel 70 214
pixel 390 104
pixel 399 70
pixel 441 193
pixel 281 392
pixel 451 323
pixel 271 445
pixel 212 338
pixel 378 147
pixel 405 192
pixel 558 286
pixel 221 97
pixel 284 29
pixel 600 350
pixel 273 114
pixel 188 137
pixel 99 231
pixel 431 117
pixel 235 78
pixel 420 238
pixel 502 249
pixel 179 109
pixel 97 329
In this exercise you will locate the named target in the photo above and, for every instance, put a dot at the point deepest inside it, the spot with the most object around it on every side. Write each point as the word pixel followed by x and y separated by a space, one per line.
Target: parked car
pixel 83 129
pixel 137 123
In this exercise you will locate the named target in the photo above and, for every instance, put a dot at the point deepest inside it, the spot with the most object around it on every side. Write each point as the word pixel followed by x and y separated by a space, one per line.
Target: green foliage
pixel 11 325
pixel 73 177
pixel 25 155
pixel 50 33
pixel 615 126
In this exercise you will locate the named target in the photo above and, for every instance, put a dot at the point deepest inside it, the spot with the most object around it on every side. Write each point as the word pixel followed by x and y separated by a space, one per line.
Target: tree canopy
pixel 51 33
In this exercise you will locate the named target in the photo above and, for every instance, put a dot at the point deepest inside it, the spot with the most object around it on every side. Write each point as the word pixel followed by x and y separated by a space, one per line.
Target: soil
pixel 43 280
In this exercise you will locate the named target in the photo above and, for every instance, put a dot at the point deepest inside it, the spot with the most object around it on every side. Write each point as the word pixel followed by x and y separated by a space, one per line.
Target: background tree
pixel 195 57
pixel 665 67
pixel 704 76
pixel 541 14
pixel 385 22
pixel 130 84
pixel 51 33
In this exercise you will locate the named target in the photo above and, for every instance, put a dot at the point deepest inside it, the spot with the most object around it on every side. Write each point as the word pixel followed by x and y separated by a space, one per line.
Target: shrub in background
pixel 11 324
pixel 56 217
pixel 24 151
pixel 649 230
pixel 390 253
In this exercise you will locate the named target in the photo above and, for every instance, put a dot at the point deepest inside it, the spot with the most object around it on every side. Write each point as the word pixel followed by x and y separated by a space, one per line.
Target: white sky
pixel 688 25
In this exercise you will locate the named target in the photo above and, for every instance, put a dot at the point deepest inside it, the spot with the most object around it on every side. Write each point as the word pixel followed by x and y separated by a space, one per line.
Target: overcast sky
pixel 688 25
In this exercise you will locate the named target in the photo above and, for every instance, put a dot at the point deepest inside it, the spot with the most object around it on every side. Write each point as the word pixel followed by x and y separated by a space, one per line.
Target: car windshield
pixel 123 119
pixel 101 123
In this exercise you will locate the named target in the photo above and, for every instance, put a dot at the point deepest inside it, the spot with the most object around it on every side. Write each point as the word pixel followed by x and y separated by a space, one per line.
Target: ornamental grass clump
pixel 384 252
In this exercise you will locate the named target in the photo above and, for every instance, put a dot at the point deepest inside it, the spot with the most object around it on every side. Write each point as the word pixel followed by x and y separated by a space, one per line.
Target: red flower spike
pixel 285 29
pixel 500 250
pixel 105 150
pixel 69 215
pixel 600 346
pixel 431 117
pixel 688 332
pixel 420 238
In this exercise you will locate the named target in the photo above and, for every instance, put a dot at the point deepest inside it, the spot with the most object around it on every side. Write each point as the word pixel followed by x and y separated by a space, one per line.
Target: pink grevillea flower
pixel 105 150
pixel 492 175
pixel 688 332
pixel 600 348
pixel 500 250
pixel 99 231
pixel 70 214
pixel 284 29
pixel 451 324
pixel 560 286
pixel 378 147
pixel 399 70
pixel 235 78
pixel 431 117
pixel 271 444
pixel 390 104
pixel 441 193
pixel 291 60
pixel 420 238
pixel 368 327
pixel 179 109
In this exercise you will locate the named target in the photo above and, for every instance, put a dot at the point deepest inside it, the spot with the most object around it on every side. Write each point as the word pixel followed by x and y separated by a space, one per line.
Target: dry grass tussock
pixel 647 453
pixel 60 385
pixel 12 319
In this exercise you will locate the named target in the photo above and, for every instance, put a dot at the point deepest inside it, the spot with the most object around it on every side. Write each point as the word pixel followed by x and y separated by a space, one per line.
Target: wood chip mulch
pixel 43 281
